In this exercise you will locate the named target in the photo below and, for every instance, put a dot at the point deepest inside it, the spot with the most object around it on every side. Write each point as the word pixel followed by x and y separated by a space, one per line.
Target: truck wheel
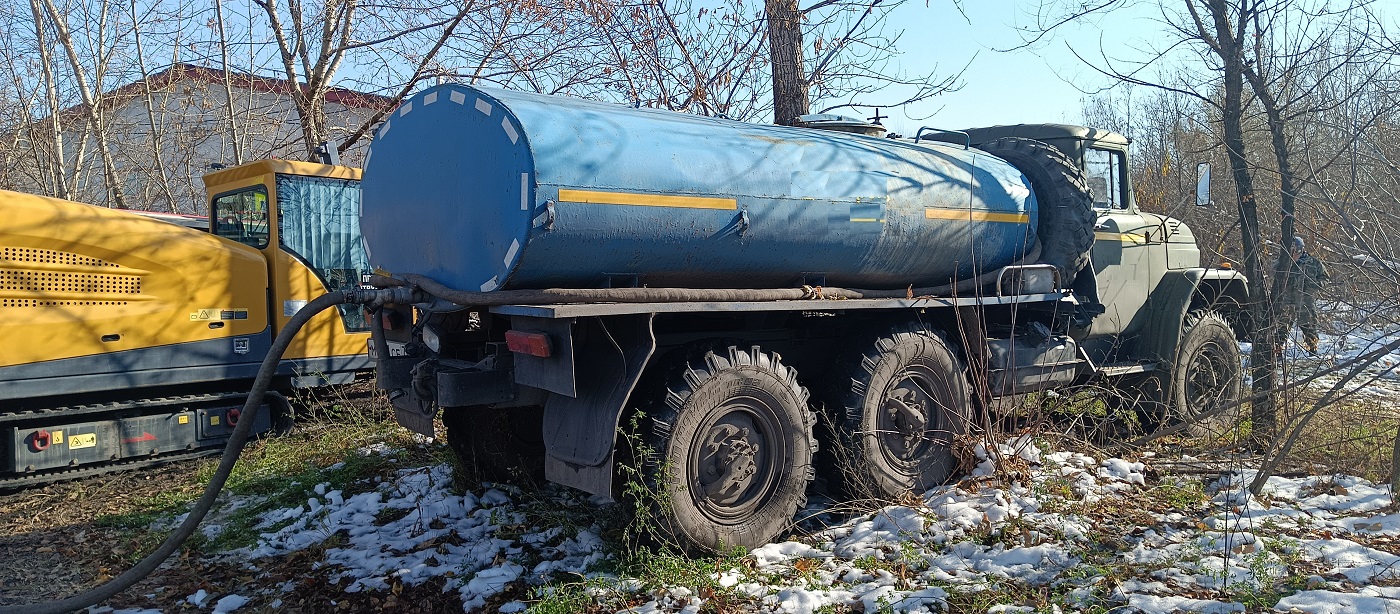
pixel 497 444
pixel 727 455
pixel 1207 374
pixel 1065 203
pixel 907 398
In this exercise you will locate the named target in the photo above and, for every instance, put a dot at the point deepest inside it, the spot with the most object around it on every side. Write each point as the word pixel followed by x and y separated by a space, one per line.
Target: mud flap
pixel 579 431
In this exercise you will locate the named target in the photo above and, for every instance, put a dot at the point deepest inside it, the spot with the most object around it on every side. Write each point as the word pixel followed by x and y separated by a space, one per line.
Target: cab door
pixel 1123 240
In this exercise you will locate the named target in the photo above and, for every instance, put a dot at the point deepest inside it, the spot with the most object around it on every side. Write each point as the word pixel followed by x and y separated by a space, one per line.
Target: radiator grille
pixel 31 270
pixel 48 256
pixel 25 302
pixel 47 281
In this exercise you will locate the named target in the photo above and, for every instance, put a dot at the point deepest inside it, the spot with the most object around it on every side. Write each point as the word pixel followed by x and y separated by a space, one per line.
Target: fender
pixel 1180 292
pixel 588 393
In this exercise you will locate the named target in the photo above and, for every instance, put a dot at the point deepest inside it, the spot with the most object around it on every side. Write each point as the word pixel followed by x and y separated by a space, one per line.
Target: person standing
pixel 1305 276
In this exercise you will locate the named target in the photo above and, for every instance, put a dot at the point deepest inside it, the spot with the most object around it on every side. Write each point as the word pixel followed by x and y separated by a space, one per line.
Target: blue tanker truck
pixel 735 308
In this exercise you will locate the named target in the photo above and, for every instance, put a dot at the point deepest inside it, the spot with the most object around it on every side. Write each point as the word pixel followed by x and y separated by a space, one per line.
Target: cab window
pixel 319 221
pixel 242 216
pixel 1103 169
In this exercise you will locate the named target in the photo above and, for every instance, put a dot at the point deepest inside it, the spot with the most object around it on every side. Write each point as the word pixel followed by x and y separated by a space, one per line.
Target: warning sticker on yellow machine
pixel 219 313
pixel 83 440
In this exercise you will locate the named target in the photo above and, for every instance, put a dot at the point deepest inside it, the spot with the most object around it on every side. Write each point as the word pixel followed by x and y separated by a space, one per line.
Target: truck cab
pixel 1142 266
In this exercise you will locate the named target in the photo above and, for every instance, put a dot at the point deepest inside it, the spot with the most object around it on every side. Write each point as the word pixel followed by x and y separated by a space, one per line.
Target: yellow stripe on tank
pixel 1125 237
pixel 647 200
pixel 975 216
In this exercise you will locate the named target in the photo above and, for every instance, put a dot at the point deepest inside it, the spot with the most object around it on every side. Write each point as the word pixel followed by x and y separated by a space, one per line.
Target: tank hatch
pixel 840 123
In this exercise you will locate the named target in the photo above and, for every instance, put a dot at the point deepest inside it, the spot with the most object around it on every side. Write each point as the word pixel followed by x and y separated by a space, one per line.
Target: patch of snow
pixel 229 604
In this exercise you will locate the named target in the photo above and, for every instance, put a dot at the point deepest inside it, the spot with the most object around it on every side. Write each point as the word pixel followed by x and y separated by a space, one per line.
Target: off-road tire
pixel 743 407
pixel 874 451
pixel 1065 204
pixel 497 444
pixel 1205 375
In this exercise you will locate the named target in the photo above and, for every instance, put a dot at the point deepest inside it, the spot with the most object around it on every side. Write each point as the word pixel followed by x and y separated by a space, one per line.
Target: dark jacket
pixel 1306 276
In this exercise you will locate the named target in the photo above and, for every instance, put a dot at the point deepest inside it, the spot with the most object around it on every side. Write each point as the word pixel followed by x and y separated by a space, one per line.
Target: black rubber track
pixel 1066 204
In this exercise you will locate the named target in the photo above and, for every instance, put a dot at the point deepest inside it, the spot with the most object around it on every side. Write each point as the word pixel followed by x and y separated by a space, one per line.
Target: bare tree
pixel 790 82
pixel 314 40
pixel 101 42
pixel 1255 55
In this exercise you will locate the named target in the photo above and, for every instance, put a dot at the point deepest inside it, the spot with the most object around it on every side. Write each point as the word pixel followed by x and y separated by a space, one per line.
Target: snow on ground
pixel 1348 333
pixel 1091 533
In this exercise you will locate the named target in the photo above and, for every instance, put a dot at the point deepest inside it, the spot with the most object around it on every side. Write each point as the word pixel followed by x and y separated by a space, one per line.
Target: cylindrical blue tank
pixel 490 189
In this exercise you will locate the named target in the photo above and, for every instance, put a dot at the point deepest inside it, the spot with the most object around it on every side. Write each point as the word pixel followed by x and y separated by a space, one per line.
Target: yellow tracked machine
pixel 125 340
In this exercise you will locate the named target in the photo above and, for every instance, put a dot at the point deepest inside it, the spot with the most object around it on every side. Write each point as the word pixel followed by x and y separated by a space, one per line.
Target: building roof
pixel 179 73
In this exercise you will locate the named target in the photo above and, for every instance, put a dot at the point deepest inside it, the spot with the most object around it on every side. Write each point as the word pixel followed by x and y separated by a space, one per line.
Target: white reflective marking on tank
pixel 510 130
pixel 429 98
pixel 489 285
pixel 458 97
pixel 524 191
pixel 483 106
pixel 405 108
pixel 369 155
pixel 383 130
pixel 510 253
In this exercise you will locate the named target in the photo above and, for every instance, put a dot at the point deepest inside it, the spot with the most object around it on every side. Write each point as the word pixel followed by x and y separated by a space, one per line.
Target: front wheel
pixel 728 454
pixel 1207 376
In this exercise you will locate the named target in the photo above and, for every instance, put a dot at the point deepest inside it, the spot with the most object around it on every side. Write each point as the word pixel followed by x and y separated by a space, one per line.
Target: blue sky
pixel 1024 86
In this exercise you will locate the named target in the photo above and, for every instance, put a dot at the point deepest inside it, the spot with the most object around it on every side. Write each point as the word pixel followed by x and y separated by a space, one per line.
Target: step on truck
pixel 735 308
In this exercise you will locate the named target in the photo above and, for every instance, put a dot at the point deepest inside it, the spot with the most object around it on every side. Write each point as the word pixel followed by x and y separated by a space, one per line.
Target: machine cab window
pixel 319 221
pixel 242 216
pixel 1103 168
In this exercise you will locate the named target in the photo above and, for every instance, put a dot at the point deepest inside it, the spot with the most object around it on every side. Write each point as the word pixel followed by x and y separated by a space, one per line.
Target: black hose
pixel 557 296
pixel 236 441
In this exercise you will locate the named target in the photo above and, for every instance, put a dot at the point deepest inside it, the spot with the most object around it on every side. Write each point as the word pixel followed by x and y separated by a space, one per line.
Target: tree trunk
pixel 228 86
pixel 785 48
pixel 92 103
pixel 1231 51
pixel 56 161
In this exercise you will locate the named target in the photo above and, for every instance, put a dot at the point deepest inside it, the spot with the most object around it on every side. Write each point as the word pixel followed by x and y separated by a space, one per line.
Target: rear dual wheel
pixel 727 456
pixel 904 401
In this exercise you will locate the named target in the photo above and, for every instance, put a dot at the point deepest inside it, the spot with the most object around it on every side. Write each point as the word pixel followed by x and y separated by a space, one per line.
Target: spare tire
pixel 1063 198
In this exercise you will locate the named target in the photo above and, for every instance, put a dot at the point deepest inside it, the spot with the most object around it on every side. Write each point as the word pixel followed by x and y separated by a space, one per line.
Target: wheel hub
pixel 729 461
pixel 907 408
pixel 1203 384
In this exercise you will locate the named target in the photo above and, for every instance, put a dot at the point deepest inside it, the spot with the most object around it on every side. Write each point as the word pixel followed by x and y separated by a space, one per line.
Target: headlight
pixel 430 339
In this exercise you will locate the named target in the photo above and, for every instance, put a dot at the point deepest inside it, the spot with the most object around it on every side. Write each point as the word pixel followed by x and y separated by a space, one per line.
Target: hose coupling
pixel 379 297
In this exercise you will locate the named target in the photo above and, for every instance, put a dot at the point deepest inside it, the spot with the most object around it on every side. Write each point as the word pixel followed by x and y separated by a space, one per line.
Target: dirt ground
pixel 55 547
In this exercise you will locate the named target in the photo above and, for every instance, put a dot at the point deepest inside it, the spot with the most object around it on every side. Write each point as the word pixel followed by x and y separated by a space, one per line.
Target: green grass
pixel 276 472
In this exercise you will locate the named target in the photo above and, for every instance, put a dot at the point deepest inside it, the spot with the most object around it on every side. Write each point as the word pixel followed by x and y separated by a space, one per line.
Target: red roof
pixel 183 72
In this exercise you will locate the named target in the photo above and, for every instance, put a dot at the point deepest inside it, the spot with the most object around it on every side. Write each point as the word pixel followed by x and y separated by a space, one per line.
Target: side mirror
pixel 1203 185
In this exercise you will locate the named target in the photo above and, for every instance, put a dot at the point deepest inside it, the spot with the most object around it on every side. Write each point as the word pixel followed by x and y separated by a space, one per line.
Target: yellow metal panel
pixel 975 216
pixel 72 275
pixel 1125 237
pixel 648 200
pixel 325 334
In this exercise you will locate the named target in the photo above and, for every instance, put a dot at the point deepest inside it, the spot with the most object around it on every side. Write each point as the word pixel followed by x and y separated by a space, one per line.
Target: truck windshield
pixel 319 221
pixel 242 216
